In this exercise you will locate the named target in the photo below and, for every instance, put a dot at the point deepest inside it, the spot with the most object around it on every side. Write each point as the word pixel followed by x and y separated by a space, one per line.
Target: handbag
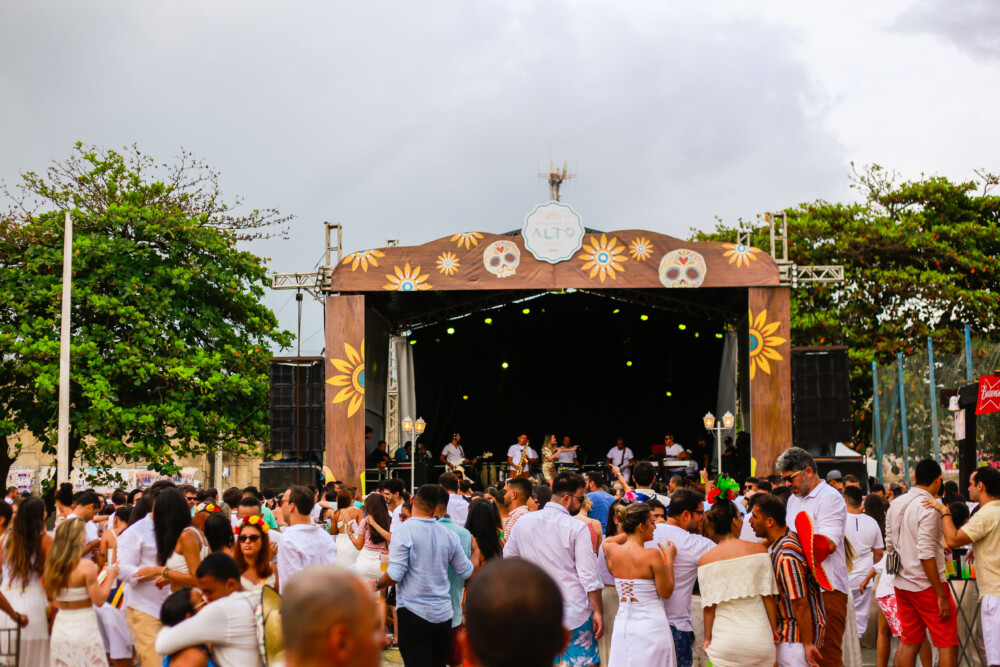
pixel 892 562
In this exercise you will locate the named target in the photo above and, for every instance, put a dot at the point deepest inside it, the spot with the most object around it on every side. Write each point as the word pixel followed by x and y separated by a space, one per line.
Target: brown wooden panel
pixel 345 387
pixel 627 258
pixel 770 375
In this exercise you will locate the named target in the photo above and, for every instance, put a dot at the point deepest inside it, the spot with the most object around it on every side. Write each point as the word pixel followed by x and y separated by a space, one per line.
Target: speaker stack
pixel 297 422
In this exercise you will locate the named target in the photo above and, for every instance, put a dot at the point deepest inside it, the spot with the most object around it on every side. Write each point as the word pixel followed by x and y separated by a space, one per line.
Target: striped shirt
pixel 795 581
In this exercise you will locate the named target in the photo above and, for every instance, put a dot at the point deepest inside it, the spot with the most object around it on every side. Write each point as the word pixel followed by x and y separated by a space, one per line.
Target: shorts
pixel 990 618
pixel 918 612
pixel 582 647
pixel 888 606
pixel 792 655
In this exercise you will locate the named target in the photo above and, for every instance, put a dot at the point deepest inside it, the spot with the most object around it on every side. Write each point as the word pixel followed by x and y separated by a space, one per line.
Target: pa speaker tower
pixel 297 415
pixel 821 399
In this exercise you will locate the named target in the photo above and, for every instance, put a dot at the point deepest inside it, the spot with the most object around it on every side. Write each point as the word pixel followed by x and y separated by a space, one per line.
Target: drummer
pixel 566 455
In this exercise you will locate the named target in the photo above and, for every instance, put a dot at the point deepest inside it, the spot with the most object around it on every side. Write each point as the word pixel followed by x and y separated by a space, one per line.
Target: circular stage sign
pixel 553 232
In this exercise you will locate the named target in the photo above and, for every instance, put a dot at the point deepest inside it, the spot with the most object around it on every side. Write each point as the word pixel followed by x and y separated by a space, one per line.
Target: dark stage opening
pixel 594 366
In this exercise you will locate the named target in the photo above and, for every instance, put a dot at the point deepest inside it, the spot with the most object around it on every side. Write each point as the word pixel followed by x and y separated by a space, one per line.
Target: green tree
pixel 170 341
pixel 920 260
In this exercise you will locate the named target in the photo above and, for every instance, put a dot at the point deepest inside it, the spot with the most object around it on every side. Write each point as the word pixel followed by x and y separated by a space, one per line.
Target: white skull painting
pixel 501 258
pixel 682 268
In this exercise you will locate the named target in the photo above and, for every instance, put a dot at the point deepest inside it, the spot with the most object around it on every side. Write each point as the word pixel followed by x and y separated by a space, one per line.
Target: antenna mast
pixel 556 179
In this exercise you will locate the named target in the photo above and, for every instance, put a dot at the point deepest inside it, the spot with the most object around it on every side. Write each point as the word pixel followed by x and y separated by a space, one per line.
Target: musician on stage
pixel 673 450
pixel 518 459
pixel 379 458
pixel 567 453
pixel 622 457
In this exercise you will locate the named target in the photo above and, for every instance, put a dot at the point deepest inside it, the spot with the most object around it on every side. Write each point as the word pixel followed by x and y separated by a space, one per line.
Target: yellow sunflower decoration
pixel 364 258
pixel 740 253
pixel 406 280
pixel 448 263
pixel 640 249
pixel 467 239
pixel 352 378
pixel 763 343
pixel 603 258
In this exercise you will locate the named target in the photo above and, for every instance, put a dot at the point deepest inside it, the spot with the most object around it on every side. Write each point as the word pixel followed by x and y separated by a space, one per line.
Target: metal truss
pixel 791 274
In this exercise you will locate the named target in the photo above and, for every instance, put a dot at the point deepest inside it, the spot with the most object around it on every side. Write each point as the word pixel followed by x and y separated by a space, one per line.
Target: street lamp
pixel 415 429
pixel 717 426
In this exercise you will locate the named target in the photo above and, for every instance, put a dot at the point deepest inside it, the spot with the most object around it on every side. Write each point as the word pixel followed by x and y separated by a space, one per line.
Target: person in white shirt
pixel 645 473
pixel 829 516
pixel 866 538
pixel 453 454
pixel 685 515
pixel 392 490
pixel 560 544
pixel 458 505
pixel 567 453
pixel 672 449
pixel 303 543
pixel 622 457
pixel 12 494
pixel 137 550
pixel 515 452
pixel 226 622
pixel 85 507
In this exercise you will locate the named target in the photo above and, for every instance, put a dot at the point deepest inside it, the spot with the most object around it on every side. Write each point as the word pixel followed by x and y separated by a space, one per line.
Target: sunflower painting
pixel 640 249
pixel 763 343
pixel 406 280
pixel 351 378
pixel 467 239
pixel 364 258
pixel 448 263
pixel 740 253
pixel 603 258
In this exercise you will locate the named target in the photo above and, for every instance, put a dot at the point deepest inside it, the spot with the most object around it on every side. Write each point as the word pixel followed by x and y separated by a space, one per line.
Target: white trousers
pixel 861 607
pixel 990 616
pixel 792 655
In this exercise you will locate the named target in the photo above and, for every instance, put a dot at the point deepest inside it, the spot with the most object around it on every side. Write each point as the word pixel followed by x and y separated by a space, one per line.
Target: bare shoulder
pixel 755 548
pixel 710 556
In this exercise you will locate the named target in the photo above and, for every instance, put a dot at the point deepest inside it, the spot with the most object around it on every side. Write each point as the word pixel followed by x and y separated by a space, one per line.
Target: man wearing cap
pixel 836 480
pixel 828 513
pixel 672 449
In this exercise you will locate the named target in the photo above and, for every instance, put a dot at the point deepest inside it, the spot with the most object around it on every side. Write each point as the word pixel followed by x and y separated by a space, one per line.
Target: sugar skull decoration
pixel 501 258
pixel 682 268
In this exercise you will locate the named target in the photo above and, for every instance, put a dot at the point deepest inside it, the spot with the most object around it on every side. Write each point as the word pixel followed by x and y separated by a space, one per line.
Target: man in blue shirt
pixel 600 500
pixel 457 581
pixel 420 555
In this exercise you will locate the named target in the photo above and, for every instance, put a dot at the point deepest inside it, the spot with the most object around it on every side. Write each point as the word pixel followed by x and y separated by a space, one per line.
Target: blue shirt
pixel 420 555
pixel 457 582
pixel 600 502
pixel 400 455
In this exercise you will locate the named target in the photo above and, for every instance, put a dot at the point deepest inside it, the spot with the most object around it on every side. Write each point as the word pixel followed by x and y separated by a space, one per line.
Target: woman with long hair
pixel 550 452
pixel 25 549
pixel 497 496
pixel 372 538
pixel 346 522
pixel 737 594
pixel 219 533
pixel 644 578
pixel 253 554
pixel 179 545
pixel 482 523
pixel 593 525
pixel 71 582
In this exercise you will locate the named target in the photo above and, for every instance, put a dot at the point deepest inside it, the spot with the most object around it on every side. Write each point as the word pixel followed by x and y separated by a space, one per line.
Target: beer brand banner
pixel 989 395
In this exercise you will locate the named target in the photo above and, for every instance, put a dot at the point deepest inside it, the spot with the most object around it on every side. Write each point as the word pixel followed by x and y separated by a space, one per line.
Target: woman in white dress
pixel 253 554
pixel 643 579
pixel 71 581
pixel 373 538
pixel 346 522
pixel 737 584
pixel 26 545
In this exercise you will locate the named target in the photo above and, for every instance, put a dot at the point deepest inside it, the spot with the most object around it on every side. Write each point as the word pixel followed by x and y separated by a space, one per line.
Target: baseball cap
pixel 833 474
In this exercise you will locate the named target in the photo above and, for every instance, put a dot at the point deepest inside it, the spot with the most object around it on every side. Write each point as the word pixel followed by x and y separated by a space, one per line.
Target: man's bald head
pixel 328 617
pixel 514 598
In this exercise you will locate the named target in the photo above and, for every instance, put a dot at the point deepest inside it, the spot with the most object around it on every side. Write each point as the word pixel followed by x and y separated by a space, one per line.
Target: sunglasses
pixel 190 499
pixel 248 538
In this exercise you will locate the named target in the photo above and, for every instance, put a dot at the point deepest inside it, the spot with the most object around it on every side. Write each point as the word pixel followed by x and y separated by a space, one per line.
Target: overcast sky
pixel 413 120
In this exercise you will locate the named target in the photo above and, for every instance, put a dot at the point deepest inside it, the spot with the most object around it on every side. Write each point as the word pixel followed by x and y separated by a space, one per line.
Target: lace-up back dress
pixel 641 636
pixel 741 633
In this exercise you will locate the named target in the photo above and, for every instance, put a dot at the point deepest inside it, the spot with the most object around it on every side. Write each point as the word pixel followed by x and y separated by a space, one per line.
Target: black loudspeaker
pixel 821 399
pixel 297 414
pixel 280 475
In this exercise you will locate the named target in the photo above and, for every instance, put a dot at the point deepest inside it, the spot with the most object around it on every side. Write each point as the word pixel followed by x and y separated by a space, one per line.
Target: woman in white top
pixel 737 588
pixel 346 523
pixel 253 554
pixel 180 546
pixel 72 583
pixel 25 549
pixel 644 578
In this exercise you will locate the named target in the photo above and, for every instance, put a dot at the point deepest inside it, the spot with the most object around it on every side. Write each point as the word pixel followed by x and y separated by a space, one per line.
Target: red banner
pixel 989 395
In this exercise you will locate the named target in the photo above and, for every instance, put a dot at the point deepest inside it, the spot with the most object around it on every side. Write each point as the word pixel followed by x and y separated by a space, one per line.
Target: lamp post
pixel 718 426
pixel 415 429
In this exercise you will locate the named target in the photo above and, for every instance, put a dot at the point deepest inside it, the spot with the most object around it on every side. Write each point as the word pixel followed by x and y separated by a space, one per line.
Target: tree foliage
pixel 170 341
pixel 920 260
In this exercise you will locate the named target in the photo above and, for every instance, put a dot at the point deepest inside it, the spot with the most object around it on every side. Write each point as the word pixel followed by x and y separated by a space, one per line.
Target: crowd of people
pixel 571 571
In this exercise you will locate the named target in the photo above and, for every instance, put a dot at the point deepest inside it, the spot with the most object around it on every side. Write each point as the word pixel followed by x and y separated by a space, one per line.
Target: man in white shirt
pixel 560 544
pixel 458 505
pixel 392 490
pixel 453 453
pixel 672 449
pixel 515 453
pixel 622 457
pixel 85 507
pixel 567 453
pixel 226 622
pixel 866 538
pixel 137 550
pixel 683 527
pixel 303 543
pixel 645 473
pixel 829 515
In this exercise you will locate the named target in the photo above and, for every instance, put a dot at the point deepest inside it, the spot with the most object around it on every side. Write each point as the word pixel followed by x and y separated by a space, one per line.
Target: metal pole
pixel 933 405
pixel 62 445
pixel 968 353
pixel 718 450
pixel 902 415
pixel 413 463
pixel 876 432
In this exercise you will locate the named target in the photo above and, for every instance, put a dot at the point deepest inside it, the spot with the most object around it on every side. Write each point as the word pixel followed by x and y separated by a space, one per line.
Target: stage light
pixel 718 335
pixel 669 394
pixel 451 330
pixel 465 397
pixel 644 317
pixel 628 363
pixel 682 327
pixel 488 320
pixel 526 311
pixel 437 340
pixel 503 365
pixel 413 341
pixel 697 335
pixel 616 311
